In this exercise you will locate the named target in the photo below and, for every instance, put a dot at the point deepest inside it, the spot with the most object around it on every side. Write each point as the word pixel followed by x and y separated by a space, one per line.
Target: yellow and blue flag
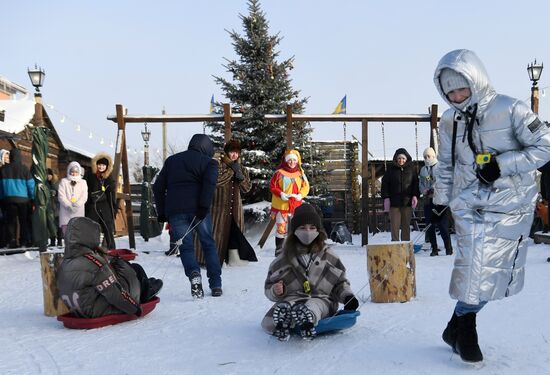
pixel 341 107
pixel 212 104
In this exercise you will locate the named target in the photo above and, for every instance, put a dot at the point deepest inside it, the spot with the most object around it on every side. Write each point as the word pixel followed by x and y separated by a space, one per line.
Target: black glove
pixel 437 213
pixel 430 192
pixel 351 303
pixel 162 219
pixel 201 213
pixel 236 167
pixel 489 173
pixel 138 311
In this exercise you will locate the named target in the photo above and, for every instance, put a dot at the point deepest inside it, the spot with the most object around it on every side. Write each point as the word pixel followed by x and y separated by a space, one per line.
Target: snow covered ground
pixel 223 335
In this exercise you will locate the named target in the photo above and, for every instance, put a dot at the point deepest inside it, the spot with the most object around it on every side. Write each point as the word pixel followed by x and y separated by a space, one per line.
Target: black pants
pixel 143 280
pixel 17 212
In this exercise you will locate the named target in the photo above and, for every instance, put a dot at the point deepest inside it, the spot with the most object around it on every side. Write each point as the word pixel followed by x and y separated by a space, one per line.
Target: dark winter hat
pixel 305 214
pixel 103 161
pixel 49 171
pixel 232 145
pixel 451 80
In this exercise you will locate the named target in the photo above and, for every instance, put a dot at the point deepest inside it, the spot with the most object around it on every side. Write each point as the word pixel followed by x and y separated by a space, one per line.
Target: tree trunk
pixel 49 263
pixel 391 270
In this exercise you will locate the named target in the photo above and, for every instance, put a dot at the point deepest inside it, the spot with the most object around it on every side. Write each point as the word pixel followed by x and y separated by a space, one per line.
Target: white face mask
pixel 306 236
pixel 430 162
pixel 74 178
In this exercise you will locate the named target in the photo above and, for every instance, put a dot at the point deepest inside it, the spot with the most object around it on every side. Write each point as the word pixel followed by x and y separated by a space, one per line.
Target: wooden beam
pixel 365 183
pixel 289 126
pixel 433 126
pixel 227 122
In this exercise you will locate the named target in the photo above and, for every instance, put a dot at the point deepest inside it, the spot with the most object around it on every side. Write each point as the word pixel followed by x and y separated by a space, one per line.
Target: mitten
pixel 236 167
pixel 201 213
pixel 162 219
pixel 298 197
pixel 489 173
pixel 351 303
pixel 386 204
pixel 284 196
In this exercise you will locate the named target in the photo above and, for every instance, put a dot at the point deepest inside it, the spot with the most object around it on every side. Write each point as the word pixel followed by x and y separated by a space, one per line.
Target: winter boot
pixel 52 242
pixel 449 334
pixel 282 317
pixel 305 320
pixel 435 252
pixel 196 285
pixel 155 285
pixel 466 339
pixel 234 259
pixel 217 292
pixel 59 242
pixel 278 245
pixel 448 248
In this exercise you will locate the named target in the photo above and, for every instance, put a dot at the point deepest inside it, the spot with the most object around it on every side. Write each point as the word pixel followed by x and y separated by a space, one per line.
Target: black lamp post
pixel 146 134
pixel 37 76
pixel 535 71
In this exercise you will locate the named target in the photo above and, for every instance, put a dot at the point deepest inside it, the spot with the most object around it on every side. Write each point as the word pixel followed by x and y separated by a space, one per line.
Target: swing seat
pixel 71 321
pixel 342 320
pixel 125 254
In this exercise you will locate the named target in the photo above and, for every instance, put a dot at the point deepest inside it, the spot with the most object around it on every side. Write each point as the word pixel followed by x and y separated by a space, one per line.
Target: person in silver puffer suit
pixel 489 149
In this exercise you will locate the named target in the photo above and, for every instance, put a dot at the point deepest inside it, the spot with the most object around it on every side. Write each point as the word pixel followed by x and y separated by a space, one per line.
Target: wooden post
pixel 121 157
pixel 289 126
pixel 433 127
pixel 164 138
pixel 373 214
pixel 365 183
pixel 49 263
pixel 227 122
pixel 391 270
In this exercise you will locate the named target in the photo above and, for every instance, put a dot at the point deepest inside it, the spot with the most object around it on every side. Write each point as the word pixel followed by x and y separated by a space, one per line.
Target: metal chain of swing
pixel 416 138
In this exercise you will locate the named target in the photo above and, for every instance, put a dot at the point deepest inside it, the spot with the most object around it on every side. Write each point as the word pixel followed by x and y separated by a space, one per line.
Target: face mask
pixel 430 162
pixel 306 236
pixel 74 178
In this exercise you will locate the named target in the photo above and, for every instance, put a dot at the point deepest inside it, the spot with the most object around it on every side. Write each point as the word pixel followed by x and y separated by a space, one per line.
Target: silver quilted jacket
pixel 491 221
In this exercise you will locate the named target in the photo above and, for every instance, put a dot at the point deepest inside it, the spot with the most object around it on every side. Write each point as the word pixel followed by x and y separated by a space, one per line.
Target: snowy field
pixel 223 335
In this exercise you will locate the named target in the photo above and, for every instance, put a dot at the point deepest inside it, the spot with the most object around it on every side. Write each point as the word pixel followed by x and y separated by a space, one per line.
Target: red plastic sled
pixel 71 321
pixel 125 254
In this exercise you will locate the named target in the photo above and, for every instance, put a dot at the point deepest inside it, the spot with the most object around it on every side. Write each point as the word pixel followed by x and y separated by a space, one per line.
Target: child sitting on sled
pixel 307 280
pixel 93 284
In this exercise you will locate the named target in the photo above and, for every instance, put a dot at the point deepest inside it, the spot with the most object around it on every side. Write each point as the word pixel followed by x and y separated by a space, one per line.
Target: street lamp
pixel 535 71
pixel 146 134
pixel 37 78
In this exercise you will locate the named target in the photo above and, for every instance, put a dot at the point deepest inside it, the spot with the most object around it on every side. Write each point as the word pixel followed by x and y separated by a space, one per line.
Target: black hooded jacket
pixel 90 285
pixel 187 180
pixel 400 184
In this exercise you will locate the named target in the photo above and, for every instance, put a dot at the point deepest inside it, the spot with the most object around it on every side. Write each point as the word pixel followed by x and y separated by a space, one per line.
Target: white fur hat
pixel 451 80
pixel 429 151
pixel 291 156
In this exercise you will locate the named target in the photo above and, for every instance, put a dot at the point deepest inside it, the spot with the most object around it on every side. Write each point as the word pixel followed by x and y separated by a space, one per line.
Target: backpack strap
pixel 453 145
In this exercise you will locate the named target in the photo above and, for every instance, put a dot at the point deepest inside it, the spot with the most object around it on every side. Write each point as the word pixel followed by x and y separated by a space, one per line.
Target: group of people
pixel 489 148
pixel 72 196
pixel 401 191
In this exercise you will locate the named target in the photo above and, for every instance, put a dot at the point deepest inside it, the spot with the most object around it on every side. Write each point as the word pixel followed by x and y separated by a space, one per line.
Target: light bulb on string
pixel 111 145
pixel 62 119
pixel 101 141
pixel 91 135
pixel 77 127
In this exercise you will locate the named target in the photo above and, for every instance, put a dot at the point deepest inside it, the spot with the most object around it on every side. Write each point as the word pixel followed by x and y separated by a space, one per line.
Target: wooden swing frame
pixel 367 209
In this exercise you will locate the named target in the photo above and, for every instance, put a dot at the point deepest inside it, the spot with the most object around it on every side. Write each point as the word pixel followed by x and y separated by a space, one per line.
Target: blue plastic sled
pixel 342 320
pixel 417 248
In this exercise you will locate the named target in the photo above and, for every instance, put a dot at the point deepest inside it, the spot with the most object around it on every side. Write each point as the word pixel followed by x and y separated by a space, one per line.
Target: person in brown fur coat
pixel 227 210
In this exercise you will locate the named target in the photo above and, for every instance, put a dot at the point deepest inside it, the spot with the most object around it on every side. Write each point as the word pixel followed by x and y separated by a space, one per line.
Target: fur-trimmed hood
pixel 109 169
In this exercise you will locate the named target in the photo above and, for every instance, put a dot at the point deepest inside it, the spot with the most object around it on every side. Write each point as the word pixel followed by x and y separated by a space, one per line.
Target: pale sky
pixel 148 55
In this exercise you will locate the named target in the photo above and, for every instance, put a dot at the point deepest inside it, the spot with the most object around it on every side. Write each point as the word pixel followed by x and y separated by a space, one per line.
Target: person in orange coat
pixel 289 185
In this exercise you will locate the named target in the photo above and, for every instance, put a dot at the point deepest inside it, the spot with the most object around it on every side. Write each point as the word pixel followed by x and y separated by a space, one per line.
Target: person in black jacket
pixel 93 284
pixel 16 195
pixel 183 194
pixel 101 202
pixel 400 193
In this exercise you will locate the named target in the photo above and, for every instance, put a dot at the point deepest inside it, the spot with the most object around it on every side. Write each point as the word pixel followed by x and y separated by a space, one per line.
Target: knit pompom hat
pixel 305 214
pixel 451 80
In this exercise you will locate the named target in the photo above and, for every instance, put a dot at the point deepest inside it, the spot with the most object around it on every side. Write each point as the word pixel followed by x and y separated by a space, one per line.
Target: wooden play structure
pixel 367 208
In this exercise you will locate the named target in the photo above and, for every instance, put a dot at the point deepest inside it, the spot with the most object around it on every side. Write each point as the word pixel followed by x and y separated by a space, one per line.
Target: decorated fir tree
pixel 259 85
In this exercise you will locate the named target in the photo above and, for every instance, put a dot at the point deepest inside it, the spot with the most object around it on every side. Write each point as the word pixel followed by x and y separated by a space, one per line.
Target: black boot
pixel 466 339
pixel 449 334
pixel 448 248
pixel 59 242
pixel 52 242
pixel 278 245
pixel 435 252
